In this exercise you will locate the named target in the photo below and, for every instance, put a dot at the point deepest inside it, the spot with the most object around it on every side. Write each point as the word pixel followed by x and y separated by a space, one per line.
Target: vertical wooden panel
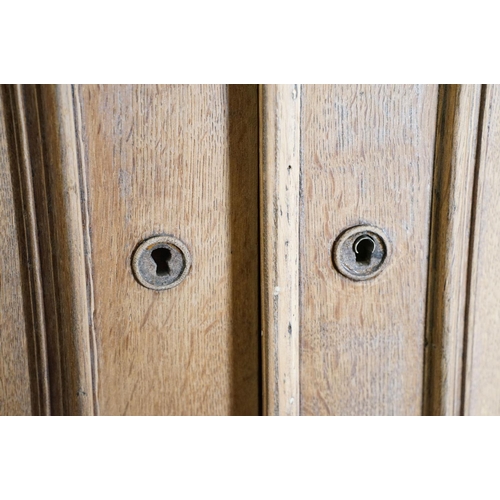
pixel 367 159
pixel 15 387
pixel 179 160
pixel 458 116
pixel 280 183
pixel 482 379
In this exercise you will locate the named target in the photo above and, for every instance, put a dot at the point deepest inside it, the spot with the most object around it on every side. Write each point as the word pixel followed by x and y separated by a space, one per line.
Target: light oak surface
pixel 453 184
pixel 482 387
pixel 367 159
pixel 258 183
pixel 280 219
pixel 183 161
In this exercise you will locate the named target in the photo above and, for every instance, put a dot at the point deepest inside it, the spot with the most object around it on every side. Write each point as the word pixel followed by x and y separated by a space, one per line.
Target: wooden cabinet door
pixel 262 186
pixel 103 169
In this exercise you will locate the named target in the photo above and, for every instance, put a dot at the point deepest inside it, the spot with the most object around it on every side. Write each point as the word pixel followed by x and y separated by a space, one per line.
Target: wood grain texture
pixel 367 159
pixel 32 277
pixel 27 263
pixel 60 206
pixel 455 157
pixel 16 396
pixel 482 375
pixel 280 189
pixel 183 161
pixel 88 172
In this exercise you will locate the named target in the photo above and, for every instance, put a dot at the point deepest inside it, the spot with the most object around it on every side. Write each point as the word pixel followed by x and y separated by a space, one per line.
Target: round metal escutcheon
pixel 361 252
pixel 161 262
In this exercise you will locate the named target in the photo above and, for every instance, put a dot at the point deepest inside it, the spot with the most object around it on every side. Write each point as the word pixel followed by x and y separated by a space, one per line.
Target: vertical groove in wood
pixel 63 191
pixel 24 384
pixel 243 207
pixel 82 169
pixel 280 214
pixel 32 253
pixel 458 114
pixel 42 204
pixel 481 373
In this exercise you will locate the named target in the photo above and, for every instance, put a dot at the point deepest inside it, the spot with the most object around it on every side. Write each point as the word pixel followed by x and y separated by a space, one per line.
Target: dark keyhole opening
pixel 161 256
pixel 363 248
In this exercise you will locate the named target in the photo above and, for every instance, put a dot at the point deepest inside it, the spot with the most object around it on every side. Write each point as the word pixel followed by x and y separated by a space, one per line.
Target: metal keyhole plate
pixel 361 252
pixel 161 262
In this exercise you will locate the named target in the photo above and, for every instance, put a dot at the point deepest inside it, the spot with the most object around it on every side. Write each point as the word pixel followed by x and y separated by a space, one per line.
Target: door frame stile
pixel 280 174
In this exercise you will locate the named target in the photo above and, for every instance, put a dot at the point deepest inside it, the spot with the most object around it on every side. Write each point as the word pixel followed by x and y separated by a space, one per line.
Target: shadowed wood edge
pixel 454 165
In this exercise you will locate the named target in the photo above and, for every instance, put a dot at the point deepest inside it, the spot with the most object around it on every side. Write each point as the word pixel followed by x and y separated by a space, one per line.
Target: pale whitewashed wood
pixel 455 157
pixel 482 378
pixel 280 185
pixel 367 159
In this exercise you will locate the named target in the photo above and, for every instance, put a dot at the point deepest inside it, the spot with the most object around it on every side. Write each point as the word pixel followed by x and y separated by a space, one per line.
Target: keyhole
pixel 363 248
pixel 161 256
